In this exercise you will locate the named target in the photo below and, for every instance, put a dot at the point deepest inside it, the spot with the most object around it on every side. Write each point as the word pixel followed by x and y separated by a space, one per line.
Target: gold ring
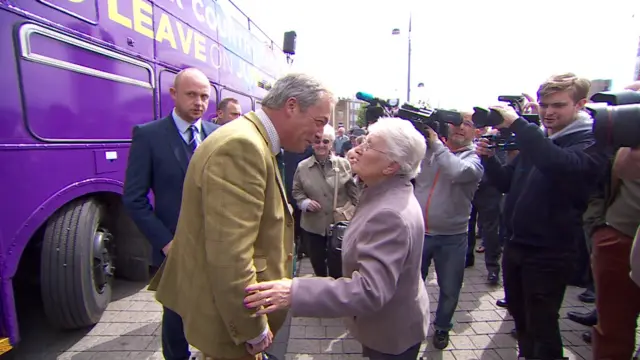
pixel 267 301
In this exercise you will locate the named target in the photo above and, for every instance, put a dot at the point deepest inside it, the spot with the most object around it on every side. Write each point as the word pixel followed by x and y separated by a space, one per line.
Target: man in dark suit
pixel 158 159
pixel 291 161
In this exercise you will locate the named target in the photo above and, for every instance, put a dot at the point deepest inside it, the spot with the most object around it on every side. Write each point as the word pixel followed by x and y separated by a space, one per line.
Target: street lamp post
pixel 396 31
pixel 409 64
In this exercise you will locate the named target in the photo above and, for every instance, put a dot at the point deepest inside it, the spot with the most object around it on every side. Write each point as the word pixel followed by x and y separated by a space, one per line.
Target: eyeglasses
pixel 324 141
pixel 367 146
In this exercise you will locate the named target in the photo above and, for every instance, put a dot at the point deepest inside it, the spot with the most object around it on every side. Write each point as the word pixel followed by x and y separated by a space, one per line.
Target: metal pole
pixel 409 64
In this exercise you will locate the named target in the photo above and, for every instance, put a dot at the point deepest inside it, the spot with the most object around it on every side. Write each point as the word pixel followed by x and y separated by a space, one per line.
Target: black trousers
pixel 301 247
pixel 325 262
pixel 486 206
pixel 535 280
pixel 174 343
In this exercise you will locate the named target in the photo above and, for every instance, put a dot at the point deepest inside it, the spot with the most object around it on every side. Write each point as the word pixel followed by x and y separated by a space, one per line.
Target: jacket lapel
pixel 175 142
pixel 258 124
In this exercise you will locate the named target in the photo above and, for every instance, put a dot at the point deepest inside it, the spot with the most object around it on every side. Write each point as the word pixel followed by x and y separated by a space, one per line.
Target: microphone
pixel 360 95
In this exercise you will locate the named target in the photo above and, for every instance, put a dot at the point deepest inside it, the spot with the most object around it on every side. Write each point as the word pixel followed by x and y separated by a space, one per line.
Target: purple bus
pixel 78 75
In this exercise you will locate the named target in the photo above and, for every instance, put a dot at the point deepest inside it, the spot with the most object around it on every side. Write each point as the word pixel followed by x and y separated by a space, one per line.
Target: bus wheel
pixel 76 267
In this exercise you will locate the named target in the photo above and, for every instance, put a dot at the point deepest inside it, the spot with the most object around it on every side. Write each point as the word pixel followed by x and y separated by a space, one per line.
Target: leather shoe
pixel 586 337
pixel 501 303
pixel 267 356
pixel 587 297
pixel 586 319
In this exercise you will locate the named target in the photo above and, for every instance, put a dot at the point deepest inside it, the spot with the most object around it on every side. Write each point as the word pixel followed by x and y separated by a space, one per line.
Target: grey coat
pixel 382 295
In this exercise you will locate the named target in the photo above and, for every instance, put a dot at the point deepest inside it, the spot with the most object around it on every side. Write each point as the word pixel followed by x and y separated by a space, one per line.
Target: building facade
pixel 345 113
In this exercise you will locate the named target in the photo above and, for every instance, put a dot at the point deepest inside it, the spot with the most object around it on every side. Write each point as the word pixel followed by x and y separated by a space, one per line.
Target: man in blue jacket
pixel 547 188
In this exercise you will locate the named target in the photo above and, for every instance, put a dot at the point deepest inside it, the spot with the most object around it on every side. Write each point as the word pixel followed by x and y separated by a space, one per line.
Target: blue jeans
pixel 449 255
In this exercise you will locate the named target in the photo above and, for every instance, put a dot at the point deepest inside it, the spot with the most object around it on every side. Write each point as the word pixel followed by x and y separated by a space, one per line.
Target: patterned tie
pixel 280 161
pixel 195 137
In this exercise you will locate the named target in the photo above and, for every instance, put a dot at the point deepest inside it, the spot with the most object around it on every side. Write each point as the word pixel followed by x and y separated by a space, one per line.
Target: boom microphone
pixel 363 96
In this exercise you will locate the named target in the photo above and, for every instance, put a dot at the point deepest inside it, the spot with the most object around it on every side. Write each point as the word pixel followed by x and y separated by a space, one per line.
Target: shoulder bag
pixel 341 216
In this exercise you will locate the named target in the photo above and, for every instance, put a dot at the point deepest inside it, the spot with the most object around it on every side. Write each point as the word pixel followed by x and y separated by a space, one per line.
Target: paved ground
pixel 130 329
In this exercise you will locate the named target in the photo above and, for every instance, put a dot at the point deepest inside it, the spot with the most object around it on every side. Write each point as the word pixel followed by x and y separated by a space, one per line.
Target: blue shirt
pixel 183 127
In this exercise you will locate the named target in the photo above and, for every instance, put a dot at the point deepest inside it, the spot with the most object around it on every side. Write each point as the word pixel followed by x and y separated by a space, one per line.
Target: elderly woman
pixel 313 190
pixel 381 296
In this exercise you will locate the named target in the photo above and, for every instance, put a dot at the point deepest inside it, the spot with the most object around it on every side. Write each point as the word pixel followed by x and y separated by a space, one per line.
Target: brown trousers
pixel 617 296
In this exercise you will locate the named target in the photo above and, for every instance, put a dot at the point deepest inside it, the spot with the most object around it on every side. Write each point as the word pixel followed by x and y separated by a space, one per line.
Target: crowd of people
pixel 238 198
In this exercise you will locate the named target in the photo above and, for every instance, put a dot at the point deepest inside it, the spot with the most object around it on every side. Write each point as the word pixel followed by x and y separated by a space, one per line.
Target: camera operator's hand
pixel 532 106
pixel 508 115
pixel 482 148
pixel 432 136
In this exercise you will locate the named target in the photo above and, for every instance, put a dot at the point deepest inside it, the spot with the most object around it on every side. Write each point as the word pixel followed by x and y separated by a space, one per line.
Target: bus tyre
pixel 76 269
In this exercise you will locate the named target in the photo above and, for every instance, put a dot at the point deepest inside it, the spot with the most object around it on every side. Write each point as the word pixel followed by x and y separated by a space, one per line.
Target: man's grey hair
pixel 329 133
pixel 405 145
pixel 304 88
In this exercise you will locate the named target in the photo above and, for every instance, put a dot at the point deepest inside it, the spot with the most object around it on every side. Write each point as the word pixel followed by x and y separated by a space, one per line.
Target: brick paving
pixel 130 329
pixel 480 331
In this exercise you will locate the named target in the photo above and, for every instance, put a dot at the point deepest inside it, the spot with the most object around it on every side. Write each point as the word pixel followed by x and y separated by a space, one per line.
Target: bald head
pixel 189 74
pixel 190 92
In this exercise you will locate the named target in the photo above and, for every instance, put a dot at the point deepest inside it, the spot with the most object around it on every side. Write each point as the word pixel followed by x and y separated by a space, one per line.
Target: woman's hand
pixel 269 296
pixel 314 206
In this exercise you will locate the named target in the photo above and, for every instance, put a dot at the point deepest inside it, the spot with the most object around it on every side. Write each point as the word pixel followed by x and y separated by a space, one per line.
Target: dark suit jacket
pixel 291 161
pixel 157 162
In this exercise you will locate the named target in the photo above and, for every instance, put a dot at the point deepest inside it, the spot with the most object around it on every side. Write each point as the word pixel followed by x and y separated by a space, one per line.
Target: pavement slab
pixel 130 329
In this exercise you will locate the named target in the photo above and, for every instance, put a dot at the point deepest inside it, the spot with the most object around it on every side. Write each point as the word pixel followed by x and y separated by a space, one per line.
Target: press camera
pixel 616 118
pixel 504 139
pixel 419 116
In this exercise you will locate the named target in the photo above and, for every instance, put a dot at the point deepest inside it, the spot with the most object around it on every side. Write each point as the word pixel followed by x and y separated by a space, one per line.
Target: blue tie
pixel 195 137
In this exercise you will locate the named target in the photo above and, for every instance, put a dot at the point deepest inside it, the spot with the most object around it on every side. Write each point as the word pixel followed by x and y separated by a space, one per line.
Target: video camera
pixel 419 116
pixel 505 139
pixel 616 118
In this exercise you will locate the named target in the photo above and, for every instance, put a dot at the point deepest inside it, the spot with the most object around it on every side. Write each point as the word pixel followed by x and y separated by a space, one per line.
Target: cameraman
pixel 445 187
pixel 618 297
pixel 547 186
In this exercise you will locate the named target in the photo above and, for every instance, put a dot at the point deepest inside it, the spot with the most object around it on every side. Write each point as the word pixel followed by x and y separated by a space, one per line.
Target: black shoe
pixel 441 339
pixel 501 303
pixel 493 279
pixel 267 356
pixel 586 337
pixel 586 319
pixel 514 333
pixel 587 296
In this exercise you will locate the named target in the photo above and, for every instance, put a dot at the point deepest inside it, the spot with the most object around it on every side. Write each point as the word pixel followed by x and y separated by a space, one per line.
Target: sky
pixel 465 52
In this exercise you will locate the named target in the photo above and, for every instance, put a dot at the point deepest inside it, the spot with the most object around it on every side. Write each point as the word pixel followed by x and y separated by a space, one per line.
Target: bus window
pixel 100 94
pixel 245 101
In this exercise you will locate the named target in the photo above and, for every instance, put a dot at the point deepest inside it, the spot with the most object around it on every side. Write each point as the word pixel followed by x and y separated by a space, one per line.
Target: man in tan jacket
pixel 235 226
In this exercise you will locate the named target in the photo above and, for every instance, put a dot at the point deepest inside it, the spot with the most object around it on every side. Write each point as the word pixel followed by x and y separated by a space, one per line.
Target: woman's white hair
pixel 405 145
pixel 329 133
